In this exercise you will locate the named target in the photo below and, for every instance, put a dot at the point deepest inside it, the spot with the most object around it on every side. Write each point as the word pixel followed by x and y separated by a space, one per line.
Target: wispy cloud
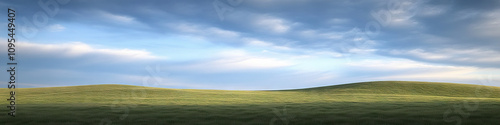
pixel 116 17
pixel 79 49
pixel 236 60
pixel 56 28
pixel 273 24
pixel 471 57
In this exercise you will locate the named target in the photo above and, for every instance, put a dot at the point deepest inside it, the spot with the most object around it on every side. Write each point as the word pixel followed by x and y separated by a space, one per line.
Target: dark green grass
pixel 388 102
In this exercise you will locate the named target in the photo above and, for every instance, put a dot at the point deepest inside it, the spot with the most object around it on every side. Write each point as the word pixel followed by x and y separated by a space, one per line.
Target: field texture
pixel 384 102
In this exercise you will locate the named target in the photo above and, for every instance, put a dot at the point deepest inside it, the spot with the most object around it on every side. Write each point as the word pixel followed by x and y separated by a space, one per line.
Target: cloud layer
pixel 259 44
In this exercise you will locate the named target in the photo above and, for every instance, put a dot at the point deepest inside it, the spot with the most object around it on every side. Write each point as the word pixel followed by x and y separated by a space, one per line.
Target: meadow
pixel 381 102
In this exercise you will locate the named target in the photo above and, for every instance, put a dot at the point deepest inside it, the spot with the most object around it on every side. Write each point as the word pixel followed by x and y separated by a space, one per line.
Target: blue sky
pixel 254 44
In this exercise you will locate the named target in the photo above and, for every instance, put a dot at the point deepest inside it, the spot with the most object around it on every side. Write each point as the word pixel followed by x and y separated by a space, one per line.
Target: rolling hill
pixel 382 102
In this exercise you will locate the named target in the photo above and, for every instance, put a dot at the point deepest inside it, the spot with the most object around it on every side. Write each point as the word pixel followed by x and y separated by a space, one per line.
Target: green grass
pixel 384 102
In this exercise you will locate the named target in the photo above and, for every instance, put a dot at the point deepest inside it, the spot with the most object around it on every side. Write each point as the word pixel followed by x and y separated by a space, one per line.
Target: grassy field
pixel 385 102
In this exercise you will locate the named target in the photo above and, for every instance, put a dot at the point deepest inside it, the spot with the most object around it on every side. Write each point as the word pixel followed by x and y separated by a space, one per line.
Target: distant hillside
pixel 366 91
pixel 409 88
pixel 381 102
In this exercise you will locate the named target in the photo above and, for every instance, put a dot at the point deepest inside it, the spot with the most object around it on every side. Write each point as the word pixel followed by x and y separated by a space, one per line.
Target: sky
pixel 253 44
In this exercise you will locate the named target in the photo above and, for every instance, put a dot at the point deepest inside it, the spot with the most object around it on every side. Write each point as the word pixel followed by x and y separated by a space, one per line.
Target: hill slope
pixel 384 102
pixel 106 94
pixel 410 88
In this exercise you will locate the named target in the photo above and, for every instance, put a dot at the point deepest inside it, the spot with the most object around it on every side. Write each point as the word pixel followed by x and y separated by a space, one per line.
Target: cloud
pixel 56 28
pixel 403 69
pixel 401 13
pixel 338 20
pixel 433 10
pixel 208 33
pixel 204 31
pixel 116 17
pixel 273 24
pixel 469 57
pixel 352 41
pixel 267 39
pixel 265 44
pixel 236 60
pixel 466 14
pixel 323 35
pixel 489 25
pixel 398 64
pixel 123 20
pixel 79 49
pixel 420 53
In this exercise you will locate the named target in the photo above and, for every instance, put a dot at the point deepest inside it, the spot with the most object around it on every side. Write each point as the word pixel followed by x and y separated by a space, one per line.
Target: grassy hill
pixel 383 102
pixel 410 88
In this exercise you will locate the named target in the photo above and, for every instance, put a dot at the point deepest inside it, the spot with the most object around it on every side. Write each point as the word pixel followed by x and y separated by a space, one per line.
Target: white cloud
pixel 351 41
pixel 259 43
pixel 395 64
pixel 329 54
pixel 267 45
pixel 477 56
pixel 263 3
pixel 273 24
pixel 445 75
pixel 79 49
pixel 430 10
pixel 205 31
pixel 221 32
pixel 420 53
pixel 338 21
pixel 56 28
pixel 116 17
pixel 323 35
pixel 397 69
pixel 401 16
pixel 235 60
